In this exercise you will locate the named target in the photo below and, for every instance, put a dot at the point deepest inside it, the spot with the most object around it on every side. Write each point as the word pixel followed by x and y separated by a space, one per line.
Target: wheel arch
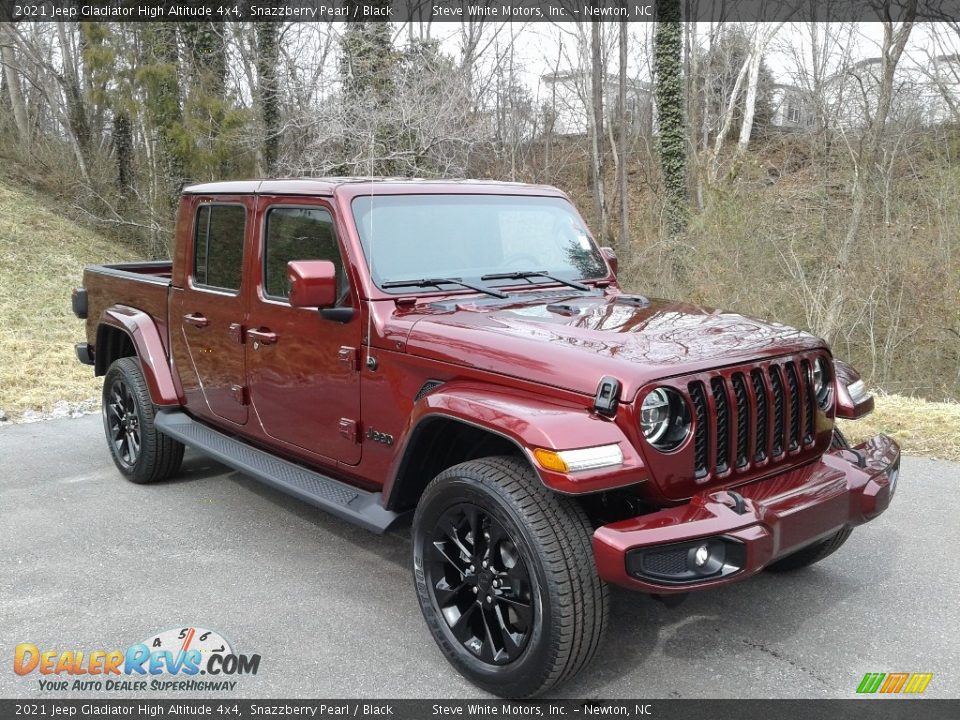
pixel 127 332
pixel 462 421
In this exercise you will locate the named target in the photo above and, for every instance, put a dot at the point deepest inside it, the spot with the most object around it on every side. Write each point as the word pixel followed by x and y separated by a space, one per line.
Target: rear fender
pixel 146 339
pixel 527 422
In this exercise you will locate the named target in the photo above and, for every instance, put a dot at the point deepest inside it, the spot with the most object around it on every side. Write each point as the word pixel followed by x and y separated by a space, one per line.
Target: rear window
pixel 218 246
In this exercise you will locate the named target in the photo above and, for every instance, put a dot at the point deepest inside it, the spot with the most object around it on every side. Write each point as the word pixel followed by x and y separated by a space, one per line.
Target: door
pixel 302 369
pixel 208 314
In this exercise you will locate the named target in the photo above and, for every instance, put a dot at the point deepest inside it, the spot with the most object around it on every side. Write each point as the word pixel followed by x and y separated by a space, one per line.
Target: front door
pixel 302 369
pixel 207 315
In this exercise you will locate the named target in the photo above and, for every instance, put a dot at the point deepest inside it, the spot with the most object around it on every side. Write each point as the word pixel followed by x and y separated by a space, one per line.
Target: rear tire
pixel 505 577
pixel 139 450
pixel 812 553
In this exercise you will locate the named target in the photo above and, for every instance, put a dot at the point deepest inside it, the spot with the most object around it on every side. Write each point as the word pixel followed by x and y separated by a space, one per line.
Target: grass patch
pixel 919 426
pixel 42 256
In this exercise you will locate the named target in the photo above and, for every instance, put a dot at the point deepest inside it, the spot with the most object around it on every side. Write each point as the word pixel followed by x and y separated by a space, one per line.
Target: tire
pixel 139 450
pixel 812 553
pixel 544 621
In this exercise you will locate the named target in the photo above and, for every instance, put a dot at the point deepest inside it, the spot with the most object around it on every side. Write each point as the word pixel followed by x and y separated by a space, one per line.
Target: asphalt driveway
pixel 90 561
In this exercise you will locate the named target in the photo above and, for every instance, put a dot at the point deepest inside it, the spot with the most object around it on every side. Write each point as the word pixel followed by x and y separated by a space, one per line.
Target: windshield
pixel 467 237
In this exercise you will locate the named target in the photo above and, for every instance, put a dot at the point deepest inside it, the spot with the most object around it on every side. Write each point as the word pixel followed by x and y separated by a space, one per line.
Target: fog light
pixel 687 562
pixel 701 556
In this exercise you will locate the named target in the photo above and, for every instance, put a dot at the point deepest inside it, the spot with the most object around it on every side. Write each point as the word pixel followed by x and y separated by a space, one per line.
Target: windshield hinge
pixel 608 396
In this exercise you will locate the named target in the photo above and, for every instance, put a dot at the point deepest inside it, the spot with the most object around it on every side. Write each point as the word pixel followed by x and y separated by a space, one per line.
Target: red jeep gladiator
pixel 461 351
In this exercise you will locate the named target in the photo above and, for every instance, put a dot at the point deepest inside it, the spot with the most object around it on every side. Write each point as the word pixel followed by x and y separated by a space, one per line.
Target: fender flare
pixel 146 339
pixel 528 422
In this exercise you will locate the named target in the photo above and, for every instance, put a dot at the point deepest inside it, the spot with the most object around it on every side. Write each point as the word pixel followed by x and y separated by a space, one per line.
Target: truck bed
pixel 143 285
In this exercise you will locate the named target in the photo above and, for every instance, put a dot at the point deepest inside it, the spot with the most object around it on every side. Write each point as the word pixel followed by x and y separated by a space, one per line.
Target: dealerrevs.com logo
pixel 169 661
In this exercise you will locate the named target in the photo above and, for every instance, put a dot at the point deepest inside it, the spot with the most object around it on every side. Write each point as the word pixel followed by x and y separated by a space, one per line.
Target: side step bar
pixel 345 501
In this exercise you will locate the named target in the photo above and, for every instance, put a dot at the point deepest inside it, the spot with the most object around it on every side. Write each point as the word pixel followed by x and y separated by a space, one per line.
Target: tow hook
pixel 739 505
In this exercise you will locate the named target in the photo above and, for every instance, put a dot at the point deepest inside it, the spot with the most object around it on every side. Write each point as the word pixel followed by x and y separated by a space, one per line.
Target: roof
pixel 363 185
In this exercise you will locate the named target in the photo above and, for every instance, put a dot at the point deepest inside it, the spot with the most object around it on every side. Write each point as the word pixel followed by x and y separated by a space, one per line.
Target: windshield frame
pixel 531 283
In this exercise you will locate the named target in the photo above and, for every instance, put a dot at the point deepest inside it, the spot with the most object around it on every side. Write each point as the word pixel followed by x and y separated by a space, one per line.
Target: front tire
pixel 505 577
pixel 141 452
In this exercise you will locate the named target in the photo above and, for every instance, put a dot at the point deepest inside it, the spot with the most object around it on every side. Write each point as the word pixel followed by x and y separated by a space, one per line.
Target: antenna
pixel 370 361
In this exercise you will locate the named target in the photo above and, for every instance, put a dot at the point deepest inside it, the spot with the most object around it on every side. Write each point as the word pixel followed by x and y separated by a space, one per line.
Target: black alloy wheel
pixel 122 421
pixel 481 584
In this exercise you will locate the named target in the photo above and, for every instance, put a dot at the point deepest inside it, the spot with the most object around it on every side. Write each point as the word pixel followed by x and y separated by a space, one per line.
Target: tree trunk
pixel 669 91
pixel 623 244
pixel 17 103
pixel 268 91
pixel 865 170
pixel 596 128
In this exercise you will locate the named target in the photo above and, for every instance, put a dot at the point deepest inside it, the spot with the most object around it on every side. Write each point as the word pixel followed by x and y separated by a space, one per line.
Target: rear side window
pixel 298 234
pixel 218 246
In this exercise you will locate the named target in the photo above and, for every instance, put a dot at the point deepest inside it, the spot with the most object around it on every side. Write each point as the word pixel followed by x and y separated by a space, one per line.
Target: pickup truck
pixel 461 354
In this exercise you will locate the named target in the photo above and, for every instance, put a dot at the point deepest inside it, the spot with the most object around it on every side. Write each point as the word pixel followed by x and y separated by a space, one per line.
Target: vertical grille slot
pixel 776 386
pixel 743 418
pixel 699 399
pixel 723 424
pixel 810 402
pixel 793 384
pixel 760 451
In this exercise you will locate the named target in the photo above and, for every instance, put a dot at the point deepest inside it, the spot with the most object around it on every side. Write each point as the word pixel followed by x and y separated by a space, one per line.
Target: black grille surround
pixel 748 420
pixel 744 402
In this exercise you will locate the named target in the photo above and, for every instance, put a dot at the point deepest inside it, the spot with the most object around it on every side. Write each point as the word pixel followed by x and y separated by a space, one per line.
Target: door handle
pixel 196 319
pixel 262 336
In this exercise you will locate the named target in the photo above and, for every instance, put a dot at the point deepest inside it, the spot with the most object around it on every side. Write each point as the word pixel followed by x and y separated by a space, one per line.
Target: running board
pixel 345 501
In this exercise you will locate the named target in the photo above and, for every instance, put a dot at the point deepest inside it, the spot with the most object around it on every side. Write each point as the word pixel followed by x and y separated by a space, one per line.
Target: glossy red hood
pixel 575 341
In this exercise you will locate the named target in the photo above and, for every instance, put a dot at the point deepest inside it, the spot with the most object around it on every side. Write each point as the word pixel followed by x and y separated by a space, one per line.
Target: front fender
pixel 529 422
pixel 143 333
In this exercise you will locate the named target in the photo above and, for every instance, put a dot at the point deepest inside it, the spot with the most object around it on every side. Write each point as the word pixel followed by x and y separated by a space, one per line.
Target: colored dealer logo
pixel 894 683
pixel 169 660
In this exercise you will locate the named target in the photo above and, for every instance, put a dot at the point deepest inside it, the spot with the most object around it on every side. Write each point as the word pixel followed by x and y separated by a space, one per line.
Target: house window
pixel 793 114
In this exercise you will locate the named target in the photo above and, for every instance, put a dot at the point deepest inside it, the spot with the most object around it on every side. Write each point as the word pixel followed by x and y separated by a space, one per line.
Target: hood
pixel 571 342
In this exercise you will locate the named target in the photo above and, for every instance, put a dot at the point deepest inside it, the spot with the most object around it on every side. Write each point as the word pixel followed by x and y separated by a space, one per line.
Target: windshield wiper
pixel 527 274
pixel 437 282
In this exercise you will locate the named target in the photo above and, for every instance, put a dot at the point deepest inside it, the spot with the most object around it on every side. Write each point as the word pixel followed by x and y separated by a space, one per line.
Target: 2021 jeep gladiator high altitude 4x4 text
pixel 462 351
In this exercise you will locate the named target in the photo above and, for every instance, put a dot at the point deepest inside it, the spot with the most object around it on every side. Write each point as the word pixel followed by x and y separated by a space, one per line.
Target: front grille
pixel 769 410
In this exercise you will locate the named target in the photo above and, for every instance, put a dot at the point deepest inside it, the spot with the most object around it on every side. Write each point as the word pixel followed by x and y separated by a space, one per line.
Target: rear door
pixel 207 315
pixel 302 369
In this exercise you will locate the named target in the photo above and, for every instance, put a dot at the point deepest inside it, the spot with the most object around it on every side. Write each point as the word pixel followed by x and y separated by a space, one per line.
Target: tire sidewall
pixel 440 497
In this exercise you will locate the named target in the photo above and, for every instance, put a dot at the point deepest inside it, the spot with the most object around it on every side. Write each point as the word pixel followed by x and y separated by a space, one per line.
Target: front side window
pixel 408 237
pixel 218 246
pixel 298 234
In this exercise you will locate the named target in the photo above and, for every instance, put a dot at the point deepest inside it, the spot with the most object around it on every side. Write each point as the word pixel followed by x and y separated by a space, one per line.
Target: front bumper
pixel 746 530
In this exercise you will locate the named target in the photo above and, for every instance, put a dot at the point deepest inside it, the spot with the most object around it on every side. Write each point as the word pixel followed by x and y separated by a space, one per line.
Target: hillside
pixel 41 259
pixel 42 256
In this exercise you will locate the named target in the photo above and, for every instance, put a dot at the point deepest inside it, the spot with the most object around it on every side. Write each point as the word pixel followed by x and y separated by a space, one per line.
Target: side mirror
pixel 313 283
pixel 610 255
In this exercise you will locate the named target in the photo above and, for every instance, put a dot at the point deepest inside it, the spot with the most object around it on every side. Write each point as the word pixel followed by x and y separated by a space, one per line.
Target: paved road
pixel 90 561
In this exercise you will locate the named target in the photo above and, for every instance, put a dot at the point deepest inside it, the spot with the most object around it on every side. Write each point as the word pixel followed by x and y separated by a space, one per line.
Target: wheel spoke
pixel 522 609
pixel 445 594
pixel 441 551
pixel 451 531
pixel 509 642
pixel 488 651
pixel 461 628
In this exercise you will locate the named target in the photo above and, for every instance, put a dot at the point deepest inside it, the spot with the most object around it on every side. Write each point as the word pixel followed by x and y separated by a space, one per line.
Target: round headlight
pixel 664 418
pixel 821 382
